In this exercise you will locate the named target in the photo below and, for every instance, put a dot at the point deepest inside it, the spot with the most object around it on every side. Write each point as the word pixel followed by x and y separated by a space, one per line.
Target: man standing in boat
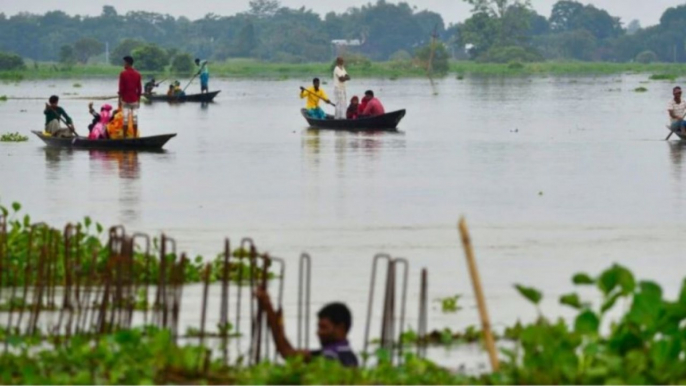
pixel 204 73
pixel 677 111
pixel 340 77
pixel 130 90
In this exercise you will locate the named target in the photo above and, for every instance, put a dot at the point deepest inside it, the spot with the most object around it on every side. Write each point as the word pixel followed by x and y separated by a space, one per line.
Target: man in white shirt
pixel 340 77
pixel 677 111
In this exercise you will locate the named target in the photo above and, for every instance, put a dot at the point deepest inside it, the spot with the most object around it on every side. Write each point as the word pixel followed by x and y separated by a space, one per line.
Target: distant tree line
pixel 510 30
pixel 496 31
pixel 265 31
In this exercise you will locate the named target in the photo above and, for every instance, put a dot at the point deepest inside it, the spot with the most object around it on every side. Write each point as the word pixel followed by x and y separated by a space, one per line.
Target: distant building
pixel 341 46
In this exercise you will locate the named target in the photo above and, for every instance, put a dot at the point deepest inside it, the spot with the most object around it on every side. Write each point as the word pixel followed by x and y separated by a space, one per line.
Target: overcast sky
pixel 647 11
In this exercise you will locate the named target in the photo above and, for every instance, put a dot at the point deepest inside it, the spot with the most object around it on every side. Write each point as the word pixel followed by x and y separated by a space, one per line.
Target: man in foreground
pixel 677 111
pixel 334 324
pixel 373 106
pixel 314 94
pixel 204 73
pixel 53 118
pixel 130 90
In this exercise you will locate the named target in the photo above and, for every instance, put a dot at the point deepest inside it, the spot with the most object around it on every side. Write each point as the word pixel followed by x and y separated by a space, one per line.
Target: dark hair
pixel 197 60
pixel 676 88
pixel 315 80
pixel 337 313
pixel 128 60
pixel 54 99
pixel 369 93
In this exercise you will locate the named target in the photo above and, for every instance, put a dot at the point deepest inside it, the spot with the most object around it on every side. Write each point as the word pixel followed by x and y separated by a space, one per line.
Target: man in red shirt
pixel 373 107
pixel 130 90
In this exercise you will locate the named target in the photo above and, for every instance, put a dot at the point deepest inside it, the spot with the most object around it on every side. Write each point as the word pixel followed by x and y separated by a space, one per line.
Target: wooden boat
pixel 208 97
pixel 144 143
pixel 386 122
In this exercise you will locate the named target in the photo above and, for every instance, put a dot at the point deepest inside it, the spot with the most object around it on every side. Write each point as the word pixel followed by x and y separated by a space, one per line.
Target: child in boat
pixel 353 108
pixel 170 92
pixel 98 128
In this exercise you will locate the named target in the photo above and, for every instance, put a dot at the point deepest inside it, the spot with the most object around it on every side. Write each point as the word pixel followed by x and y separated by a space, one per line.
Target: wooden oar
pixel 320 98
pixel 189 83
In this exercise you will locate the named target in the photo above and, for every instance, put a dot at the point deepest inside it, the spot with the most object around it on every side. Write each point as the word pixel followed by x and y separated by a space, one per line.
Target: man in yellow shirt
pixel 314 94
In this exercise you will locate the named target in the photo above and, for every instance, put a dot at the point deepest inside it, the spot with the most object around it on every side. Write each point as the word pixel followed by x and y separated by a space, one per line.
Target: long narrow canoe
pixel 144 143
pixel 387 122
pixel 208 97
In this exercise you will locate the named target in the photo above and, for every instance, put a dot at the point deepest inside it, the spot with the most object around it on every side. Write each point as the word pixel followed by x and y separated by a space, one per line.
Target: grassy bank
pixel 251 69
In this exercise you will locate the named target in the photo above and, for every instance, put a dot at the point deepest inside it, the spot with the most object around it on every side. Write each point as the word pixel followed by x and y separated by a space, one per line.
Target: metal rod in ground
pixel 304 283
pixel 479 294
pixel 403 303
pixel 423 314
pixel 282 278
pixel 205 292
pixel 370 302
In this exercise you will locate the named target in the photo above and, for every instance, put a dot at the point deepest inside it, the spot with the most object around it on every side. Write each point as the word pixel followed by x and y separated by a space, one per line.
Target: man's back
pixel 374 108
pixel 130 86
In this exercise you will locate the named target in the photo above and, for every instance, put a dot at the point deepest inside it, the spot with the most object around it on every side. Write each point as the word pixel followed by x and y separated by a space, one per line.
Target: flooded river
pixel 555 176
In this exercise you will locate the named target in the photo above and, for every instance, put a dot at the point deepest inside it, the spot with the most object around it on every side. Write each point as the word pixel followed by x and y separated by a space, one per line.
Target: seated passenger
pixel 373 107
pixel 98 129
pixel 353 108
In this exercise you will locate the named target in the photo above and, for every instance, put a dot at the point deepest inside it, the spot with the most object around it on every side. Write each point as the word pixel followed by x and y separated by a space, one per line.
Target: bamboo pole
pixel 479 293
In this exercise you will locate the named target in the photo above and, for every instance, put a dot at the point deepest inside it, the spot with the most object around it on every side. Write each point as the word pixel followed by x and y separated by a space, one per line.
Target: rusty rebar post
pixel 304 291
pixel 370 303
pixel 422 324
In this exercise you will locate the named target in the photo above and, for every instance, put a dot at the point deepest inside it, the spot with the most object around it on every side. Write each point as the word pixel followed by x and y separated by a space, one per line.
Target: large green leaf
pixel 531 294
pixel 587 323
pixel 647 305
pixel 615 277
pixel 583 279
pixel 572 300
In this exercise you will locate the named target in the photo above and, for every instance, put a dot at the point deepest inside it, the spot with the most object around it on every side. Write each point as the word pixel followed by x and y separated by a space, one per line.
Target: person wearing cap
pixel 204 73
pixel 130 91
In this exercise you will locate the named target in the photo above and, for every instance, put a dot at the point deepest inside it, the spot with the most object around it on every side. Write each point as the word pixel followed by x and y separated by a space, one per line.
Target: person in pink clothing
pixel 373 107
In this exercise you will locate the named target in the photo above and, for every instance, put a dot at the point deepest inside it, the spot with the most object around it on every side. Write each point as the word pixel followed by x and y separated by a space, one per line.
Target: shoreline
pixel 249 69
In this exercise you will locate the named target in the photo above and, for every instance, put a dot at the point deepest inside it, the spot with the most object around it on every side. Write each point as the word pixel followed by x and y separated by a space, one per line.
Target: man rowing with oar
pixel 54 116
pixel 677 112
pixel 314 94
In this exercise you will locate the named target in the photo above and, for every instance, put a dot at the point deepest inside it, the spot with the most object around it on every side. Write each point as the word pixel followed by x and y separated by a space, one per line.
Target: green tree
pixel 11 62
pixel 150 57
pixel 67 55
pixel 264 8
pixel 182 64
pixel 568 15
pixel 125 47
pixel 85 48
pixel 434 58
pixel 246 42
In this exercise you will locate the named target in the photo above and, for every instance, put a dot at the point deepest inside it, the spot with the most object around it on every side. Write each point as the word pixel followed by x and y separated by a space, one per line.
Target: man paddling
pixel 340 77
pixel 677 111
pixel 150 86
pixel 130 90
pixel 204 73
pixel 314 94
pixel 54 115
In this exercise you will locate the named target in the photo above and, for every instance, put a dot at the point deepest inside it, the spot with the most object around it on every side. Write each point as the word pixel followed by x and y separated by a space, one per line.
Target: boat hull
pixel 144 143
pixel 206 98
pixel 386 122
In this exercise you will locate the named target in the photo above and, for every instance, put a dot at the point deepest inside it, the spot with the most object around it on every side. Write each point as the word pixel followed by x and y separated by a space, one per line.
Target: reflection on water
pixel 126 162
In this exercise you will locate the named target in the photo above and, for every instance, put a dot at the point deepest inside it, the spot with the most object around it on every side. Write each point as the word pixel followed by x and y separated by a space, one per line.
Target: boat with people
pixel 155 142
pixel 385 122
pixel 203 98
